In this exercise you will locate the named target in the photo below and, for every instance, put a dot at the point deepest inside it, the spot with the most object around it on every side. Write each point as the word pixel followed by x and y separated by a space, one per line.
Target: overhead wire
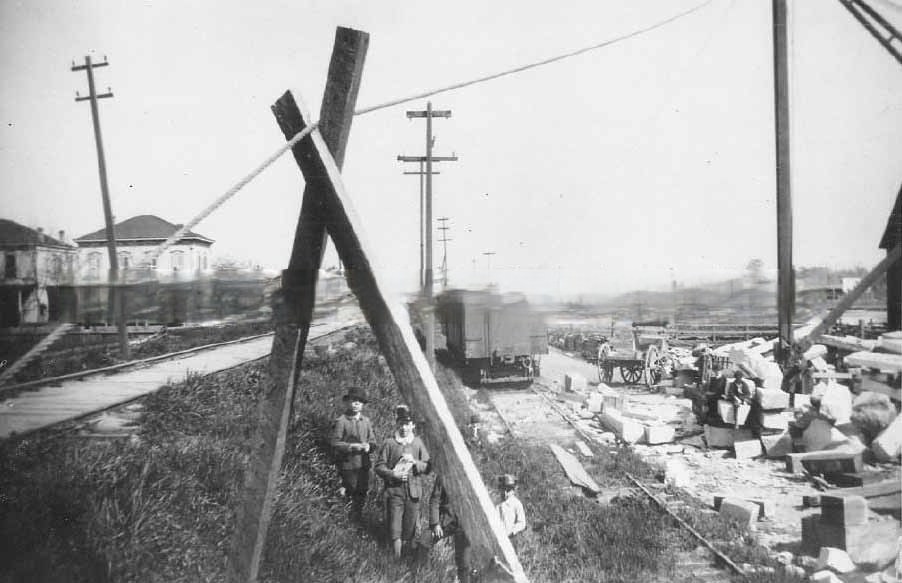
pixel 179 233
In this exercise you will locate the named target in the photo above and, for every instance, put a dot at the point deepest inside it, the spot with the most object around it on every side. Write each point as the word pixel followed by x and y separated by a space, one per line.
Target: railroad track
pixel 51 403
pixel 706 564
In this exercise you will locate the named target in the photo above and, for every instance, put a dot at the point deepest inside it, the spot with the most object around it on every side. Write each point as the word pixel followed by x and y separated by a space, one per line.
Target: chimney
pixel 62 235
pixel 40 234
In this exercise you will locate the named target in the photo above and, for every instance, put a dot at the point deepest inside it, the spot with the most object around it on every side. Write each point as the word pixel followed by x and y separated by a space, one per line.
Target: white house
pixel 189 257
pixel 36 275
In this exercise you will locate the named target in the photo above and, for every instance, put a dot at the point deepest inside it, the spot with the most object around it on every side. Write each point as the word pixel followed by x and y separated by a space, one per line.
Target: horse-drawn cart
pixel 637 355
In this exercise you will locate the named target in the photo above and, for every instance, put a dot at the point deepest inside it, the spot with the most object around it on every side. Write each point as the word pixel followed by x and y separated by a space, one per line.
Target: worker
pixel 353 439
pixel 740 392
pixel 443 523
pixel 402 461
pixel 511 509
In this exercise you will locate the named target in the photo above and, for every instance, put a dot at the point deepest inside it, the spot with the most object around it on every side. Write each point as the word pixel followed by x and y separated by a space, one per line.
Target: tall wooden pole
pixel 429 320
pixel 785 279
pixel 293 307
pixel 116 297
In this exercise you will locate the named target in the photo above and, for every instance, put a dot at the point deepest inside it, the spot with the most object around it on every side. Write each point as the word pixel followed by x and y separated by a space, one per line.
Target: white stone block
pixel 655 434
pixel 835 560
pixel 771 399
pixel 625 428
pixel 574 382
pixel 888 444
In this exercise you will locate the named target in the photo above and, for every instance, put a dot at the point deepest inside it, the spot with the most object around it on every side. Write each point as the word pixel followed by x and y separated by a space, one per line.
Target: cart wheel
pixel 631 374
pixel 651 366
pixel 605 369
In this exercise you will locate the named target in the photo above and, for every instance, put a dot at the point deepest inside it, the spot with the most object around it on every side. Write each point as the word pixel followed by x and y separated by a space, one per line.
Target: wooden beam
pixel 293 313
pixel 469 499
pixel 850 298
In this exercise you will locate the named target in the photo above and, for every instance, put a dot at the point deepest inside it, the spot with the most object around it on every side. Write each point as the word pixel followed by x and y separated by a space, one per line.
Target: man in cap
pixel 740 392
pixel 352 441
pixel 511 509
pixel 402 460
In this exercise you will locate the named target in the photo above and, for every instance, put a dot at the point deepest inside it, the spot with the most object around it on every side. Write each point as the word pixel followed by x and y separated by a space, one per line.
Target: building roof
pixel 893 233
pixel 12 234
pixel 141 227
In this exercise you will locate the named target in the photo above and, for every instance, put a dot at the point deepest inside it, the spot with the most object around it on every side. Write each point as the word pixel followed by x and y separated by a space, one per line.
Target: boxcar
pixel 492 337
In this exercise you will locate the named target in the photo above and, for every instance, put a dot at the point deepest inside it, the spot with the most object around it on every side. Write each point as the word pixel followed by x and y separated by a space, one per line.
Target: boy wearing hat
pixel 511 509
pixel 352 441
pixel 402 460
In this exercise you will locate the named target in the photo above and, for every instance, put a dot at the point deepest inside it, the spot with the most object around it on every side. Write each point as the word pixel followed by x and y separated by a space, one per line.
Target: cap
pixel 402 414
pixel 475 418
pixel 355 394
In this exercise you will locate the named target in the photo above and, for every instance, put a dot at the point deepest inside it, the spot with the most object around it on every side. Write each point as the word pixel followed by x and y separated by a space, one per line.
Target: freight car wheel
pixel 631 374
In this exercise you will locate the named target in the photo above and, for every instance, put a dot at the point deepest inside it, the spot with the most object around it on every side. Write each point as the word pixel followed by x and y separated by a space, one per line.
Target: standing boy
pixel 511 509
pixel 402 460
pixel 352 441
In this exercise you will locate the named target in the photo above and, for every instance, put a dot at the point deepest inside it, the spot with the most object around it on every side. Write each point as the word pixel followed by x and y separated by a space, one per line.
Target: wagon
pixel 635 354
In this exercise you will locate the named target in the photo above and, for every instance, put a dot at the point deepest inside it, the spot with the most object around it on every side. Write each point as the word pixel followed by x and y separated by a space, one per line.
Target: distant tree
pixel 755 270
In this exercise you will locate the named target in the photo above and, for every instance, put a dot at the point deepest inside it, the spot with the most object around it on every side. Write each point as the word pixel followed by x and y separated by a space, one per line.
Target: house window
pixel 205 261
pixel 9 270
pixel 177 258
pixel 94 264
pixel 125 260
pixel 56 266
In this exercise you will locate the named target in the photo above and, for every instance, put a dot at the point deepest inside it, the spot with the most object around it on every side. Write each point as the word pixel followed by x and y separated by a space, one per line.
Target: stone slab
pixel 775 419
pixel 772 399
pixel 765 507
pixel 656 434
pixel 738 509
pixel 844 510
pixel 747 449
pixel 776 446
pixel 575 382
pixel 874 543
pixel 824 462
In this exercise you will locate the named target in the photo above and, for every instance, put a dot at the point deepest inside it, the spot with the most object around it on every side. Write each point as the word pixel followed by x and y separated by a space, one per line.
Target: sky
pixel 648 161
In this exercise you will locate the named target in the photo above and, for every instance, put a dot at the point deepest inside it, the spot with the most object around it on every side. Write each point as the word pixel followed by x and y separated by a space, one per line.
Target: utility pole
pixel 421 174
pixel 444 240
pixel 488 264
pixel 117 296
pixel 427 291
pixel 785 279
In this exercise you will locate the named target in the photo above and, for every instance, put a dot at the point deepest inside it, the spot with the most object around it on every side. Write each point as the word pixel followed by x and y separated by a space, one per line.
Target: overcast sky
pixel 647 160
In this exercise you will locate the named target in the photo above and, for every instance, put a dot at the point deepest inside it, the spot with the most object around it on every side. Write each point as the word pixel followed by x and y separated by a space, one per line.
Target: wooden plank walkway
pixel 33 410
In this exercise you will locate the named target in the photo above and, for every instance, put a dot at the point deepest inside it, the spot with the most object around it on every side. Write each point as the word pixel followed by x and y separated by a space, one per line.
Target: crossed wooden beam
pixel 326 208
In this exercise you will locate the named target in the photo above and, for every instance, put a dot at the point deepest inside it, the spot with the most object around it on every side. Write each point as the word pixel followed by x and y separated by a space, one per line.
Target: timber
pixel 850 298
pixel 469 499
pixel 293 313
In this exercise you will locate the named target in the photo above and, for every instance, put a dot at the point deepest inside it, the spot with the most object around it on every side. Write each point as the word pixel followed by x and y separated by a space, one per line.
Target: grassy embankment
pixel 160 508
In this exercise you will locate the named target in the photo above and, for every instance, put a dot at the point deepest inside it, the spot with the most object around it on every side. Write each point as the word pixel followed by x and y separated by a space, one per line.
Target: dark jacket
pixel 389 455
pixel 439 506
pixel 347 430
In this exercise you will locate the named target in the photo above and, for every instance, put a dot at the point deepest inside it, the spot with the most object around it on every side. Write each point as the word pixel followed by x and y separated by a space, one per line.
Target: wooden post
pixel 785 287
pixel 469 499
pixel 293 312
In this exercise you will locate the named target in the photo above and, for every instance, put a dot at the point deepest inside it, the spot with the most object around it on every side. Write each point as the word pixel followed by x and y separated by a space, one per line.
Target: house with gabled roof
pixel 136 237
pixel 37 273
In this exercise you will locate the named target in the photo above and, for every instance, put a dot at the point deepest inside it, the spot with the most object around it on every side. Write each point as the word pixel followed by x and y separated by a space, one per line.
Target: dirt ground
pixel 702 472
